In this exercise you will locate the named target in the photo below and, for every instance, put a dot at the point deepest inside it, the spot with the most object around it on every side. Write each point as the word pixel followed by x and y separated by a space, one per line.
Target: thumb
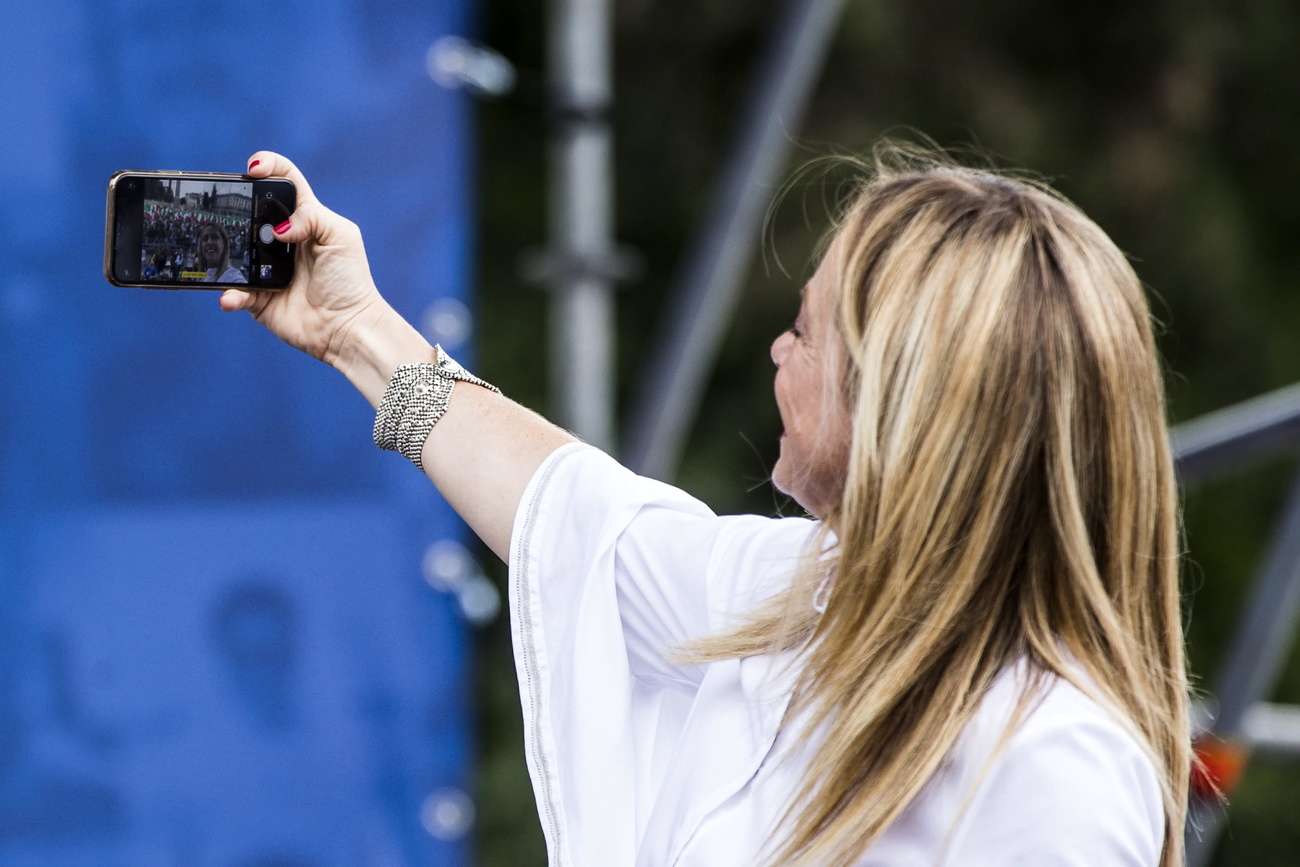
pixel 233 300
pixel 316 223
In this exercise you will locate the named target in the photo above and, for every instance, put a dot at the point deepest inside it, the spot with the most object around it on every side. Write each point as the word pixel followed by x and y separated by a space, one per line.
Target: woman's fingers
pixel 268 164
pixel 317 223
pixel 311 221
pixel 233 300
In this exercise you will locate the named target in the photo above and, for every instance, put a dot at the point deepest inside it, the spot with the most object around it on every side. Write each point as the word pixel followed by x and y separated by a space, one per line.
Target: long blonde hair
pixel 1010 495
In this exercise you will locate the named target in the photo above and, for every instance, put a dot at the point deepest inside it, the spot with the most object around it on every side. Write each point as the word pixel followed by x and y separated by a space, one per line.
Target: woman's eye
pixel 794 328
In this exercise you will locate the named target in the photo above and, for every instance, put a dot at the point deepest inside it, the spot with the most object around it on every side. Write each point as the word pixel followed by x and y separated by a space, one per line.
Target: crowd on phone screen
pixel 170 244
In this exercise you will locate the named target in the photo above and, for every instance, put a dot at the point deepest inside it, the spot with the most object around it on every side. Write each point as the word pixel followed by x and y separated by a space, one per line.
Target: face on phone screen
pixel 196 232
pixel 174 230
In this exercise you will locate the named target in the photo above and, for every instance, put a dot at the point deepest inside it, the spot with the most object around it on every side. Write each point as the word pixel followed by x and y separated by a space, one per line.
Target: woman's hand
pixel 484 448
pixel 332 296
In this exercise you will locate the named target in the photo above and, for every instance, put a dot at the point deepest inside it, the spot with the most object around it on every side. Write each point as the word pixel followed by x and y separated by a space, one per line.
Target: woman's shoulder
pixel 1054 705
pixel 1057 721
pixel 1065 714
pixel 580 480
pixel 580 499
pixel 1070 775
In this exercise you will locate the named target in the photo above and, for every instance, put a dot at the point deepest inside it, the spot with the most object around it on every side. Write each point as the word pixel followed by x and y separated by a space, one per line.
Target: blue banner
pixel 225 631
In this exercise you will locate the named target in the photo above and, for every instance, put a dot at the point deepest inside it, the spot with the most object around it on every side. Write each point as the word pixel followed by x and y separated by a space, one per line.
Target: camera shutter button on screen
pixel 266 233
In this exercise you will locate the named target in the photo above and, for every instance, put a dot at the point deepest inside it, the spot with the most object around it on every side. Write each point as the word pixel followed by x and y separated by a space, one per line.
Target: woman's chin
pixel 782 477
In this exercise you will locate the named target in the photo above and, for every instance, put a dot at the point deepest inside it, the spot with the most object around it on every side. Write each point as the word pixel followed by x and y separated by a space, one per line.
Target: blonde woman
pixel 970 654
pixel 214 255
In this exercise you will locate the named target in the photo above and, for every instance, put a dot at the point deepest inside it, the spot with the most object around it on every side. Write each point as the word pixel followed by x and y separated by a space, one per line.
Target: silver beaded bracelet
pixel 416 397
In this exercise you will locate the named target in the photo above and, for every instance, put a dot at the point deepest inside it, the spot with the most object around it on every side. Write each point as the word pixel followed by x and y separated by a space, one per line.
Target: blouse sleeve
pixel 679 571
pixel 609 572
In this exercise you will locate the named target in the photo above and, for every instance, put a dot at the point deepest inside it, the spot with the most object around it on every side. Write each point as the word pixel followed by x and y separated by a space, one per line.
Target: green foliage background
pixel 1176 125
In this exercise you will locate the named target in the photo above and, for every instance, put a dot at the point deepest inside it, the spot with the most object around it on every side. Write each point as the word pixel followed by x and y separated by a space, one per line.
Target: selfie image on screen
pixel 196 231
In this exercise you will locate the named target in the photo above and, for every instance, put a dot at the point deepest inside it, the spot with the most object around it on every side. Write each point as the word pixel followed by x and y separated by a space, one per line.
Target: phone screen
pixel 179 231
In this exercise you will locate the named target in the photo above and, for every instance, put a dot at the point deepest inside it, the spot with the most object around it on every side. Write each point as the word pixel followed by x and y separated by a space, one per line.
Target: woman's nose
pixel 780 347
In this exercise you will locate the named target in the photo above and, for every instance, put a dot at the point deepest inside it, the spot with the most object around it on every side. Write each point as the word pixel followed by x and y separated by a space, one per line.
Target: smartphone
pixel 197 230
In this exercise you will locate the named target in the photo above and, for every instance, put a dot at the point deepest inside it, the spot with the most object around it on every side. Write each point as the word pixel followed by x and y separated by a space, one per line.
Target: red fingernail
pixel 254 163
pixel 283 227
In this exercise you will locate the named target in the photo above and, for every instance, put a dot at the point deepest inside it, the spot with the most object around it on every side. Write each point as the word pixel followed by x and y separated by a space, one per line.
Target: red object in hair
pixel 1217 766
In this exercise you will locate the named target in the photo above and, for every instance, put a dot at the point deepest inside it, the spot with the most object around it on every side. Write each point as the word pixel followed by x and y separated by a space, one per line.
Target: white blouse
pixel 636 762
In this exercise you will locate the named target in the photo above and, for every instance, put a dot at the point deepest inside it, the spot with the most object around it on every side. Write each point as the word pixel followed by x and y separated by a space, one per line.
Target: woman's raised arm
pixel 484 449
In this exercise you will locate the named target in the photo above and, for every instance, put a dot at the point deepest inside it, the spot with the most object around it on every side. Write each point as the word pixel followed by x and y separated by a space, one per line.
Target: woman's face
pixel 212 246
pixel 809 396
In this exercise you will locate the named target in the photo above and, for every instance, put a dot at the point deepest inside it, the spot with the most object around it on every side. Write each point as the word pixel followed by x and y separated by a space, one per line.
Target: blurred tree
pixel 1175 125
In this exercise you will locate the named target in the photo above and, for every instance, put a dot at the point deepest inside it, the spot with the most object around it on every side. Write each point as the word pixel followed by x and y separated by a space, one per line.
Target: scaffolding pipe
pixel 1246 431
pixel 1255 658
pixel 581 220
pixel 705 293
pixel 1272 729
pixel 1206 446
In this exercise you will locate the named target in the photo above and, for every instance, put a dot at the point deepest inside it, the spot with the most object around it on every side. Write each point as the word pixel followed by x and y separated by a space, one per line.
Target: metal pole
pixel 581 219
pixel 1255 657
pixel 1231 436
pixel 706 291
pixel 1273 729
